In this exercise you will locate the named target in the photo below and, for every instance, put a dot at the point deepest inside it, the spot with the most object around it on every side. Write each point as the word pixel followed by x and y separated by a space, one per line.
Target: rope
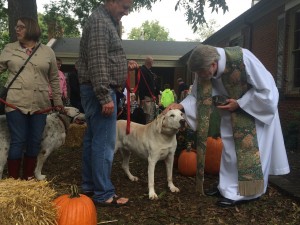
pixel 36 112
pixel 152 96
pixel 128 97
pixel 6 103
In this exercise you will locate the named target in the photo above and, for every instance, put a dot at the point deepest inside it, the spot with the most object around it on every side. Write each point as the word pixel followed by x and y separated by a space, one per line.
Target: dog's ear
pixel 159 122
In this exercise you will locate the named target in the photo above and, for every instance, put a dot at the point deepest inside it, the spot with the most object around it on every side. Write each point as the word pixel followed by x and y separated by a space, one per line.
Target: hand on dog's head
pixel 170 122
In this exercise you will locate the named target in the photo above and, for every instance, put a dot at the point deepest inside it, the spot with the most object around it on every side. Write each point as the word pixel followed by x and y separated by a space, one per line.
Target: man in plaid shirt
pixel 102 68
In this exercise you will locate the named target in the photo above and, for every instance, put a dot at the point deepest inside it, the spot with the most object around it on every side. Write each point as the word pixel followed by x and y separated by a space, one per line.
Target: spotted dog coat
pixel 53 137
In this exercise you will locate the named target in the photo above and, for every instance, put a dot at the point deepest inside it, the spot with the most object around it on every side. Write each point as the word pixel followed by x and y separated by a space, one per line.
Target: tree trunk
pixel 19 8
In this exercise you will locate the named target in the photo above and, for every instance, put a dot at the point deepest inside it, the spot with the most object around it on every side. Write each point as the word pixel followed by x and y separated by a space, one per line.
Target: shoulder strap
pixel 152 95
pixel 21 69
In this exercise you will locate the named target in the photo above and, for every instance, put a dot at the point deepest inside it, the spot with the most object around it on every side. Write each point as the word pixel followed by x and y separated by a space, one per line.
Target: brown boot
pixel 29 164
pixel 13 166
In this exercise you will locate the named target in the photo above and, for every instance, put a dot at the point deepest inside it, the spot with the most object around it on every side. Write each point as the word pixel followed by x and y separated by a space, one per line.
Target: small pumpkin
pixel 213 154
pixel 187 162
pixel 75 209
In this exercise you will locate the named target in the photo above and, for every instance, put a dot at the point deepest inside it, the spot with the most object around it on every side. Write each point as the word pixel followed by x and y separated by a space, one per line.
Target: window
pixel 280 51
pixel 296 50
pixel 238 41
pixel 293 64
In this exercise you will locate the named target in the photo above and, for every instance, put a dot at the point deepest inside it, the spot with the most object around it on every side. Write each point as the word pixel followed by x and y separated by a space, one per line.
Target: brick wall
pixel 264 40
pixel 286 109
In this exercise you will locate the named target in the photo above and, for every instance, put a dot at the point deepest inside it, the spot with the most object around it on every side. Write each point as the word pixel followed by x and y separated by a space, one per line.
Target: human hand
pixel 172 106
pixel 108 108
pixel 59 108
pixel 66 101
pixel 132 65
pixel 231 105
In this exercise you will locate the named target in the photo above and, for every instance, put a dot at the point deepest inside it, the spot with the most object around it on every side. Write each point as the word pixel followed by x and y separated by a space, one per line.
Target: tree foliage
pixel 150 31
pixel 44 29
pixel 60 28
pixel 60 22
pixel 4 35
pixel 206 30
pixel 194 8
pixel 57 22
pixel 64 16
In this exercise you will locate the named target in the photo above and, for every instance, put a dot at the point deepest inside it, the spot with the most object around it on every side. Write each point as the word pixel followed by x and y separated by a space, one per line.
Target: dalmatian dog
pixel 54 136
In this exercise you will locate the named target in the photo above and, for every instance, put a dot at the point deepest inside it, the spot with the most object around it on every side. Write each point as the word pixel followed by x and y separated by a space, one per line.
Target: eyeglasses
pixel 19 27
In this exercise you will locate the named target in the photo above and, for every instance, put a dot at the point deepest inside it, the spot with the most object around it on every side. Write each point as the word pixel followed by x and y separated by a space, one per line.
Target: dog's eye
pixel 172 115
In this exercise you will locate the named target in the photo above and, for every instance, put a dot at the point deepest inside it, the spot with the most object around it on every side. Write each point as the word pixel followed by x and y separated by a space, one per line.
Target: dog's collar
pixel 64 123
pixel 72 117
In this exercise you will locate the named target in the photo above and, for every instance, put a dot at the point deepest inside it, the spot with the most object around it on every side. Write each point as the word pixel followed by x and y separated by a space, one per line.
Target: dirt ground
pixel 63 167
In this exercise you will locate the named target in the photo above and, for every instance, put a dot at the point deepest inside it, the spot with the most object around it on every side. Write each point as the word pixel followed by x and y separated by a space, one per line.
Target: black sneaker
pixel 213 192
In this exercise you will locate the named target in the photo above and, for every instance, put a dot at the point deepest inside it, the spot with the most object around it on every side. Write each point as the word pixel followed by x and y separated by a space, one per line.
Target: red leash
pixel 152 95
pixel 6 103
pixel 128 97
pixel 36 112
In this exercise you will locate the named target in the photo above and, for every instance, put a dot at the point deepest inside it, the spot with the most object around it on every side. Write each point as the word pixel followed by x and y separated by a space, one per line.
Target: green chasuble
pixel 250 176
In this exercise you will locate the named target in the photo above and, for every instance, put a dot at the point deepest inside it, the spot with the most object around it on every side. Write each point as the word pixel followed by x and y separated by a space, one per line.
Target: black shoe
pixel 225 202
pixel 213 192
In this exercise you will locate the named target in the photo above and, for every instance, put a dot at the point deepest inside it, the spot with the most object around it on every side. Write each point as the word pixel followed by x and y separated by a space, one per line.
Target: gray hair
pixel 148 61
pixel 202 57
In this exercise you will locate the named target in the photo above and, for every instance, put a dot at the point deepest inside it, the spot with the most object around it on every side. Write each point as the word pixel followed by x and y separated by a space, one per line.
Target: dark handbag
pixel 4 90
pixel 3 94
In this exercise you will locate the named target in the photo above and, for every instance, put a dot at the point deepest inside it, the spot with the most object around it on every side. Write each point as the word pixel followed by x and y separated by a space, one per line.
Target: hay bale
pixel 75 134
pixel 26 203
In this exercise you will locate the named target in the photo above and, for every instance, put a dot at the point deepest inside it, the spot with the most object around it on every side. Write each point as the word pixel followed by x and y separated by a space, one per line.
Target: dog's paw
pixel 40 177
pixel 172 186
pixel 152 195
pixel 174 189
pixel 133 178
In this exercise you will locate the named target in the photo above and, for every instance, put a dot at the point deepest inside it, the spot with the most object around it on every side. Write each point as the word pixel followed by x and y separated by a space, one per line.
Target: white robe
pixel 261 102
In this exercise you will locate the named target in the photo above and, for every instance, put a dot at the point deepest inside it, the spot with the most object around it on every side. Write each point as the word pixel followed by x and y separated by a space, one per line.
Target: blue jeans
pixel 26 132
pixel 98 146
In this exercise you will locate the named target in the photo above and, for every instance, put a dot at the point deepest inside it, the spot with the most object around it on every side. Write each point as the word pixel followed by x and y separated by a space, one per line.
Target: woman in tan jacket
pixel 29 94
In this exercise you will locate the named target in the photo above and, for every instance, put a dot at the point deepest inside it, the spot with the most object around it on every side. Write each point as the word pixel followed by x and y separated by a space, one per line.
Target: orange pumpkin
pixel 213 154
pixel 187 162
pixel 75 209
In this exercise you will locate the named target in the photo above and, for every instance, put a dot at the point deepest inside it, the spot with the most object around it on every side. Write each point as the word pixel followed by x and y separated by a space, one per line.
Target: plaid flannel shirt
pixel 102 60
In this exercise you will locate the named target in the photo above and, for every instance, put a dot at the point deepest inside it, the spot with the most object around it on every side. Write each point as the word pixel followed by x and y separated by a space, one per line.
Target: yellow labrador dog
pixel 154 141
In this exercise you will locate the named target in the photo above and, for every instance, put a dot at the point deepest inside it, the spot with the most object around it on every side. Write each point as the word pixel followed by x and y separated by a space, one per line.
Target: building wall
pixel 289 105
pixel 264 40
pixel 264 46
